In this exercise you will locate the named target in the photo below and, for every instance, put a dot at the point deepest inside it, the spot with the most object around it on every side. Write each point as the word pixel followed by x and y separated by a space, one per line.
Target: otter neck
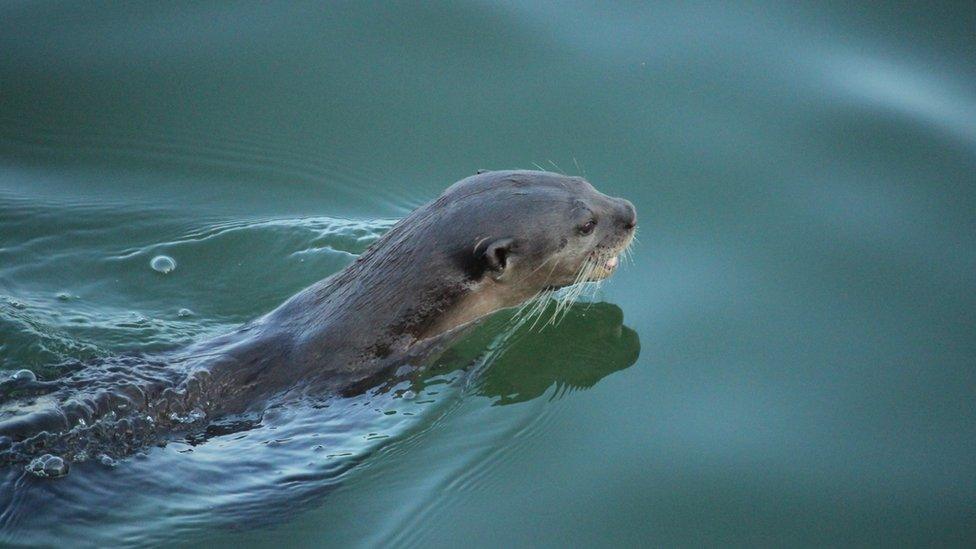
pixel 424 307
pixel 483 298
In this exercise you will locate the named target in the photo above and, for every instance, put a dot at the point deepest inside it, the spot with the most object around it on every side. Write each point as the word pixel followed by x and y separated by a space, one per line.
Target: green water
pixel 790 359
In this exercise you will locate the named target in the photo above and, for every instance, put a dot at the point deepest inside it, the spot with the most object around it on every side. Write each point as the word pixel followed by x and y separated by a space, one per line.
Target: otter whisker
pixel 536 302
pixel 575 289
pixel 549 276
pixel 548 296
pixel 516 316
pixel 532 303
pixel 540 308
pixel 570 302
pixel 540 300
pixel 533 271
pixel 560 301
pixel 579 168
pixel 627 254
pixel 594 291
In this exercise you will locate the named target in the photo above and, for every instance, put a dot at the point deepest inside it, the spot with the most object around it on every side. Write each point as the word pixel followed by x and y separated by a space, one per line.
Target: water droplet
pixel 163 264
pixel 193 416
pixel 183 313
pixel 107 460
pixel 47 466
pixel 24 375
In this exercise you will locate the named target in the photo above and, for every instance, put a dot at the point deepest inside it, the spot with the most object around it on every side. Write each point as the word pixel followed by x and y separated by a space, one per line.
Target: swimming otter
pixel 490 241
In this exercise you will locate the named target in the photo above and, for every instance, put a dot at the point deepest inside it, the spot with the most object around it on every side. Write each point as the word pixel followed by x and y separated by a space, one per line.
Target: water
pixel 789 360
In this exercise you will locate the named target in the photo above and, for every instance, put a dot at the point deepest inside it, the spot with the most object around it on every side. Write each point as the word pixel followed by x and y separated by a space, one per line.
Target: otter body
pixel 490 241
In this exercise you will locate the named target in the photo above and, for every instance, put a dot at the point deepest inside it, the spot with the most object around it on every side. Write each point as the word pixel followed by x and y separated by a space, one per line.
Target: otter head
pixel 529 231
pixel 490 241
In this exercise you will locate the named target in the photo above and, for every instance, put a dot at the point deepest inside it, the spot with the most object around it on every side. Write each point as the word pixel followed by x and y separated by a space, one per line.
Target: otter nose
pixel 628 214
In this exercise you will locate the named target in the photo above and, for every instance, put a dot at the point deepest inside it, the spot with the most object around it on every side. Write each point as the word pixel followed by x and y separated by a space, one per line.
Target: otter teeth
pixel 612 263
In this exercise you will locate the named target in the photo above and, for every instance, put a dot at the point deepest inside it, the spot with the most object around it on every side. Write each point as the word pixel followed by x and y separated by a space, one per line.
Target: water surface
pixel 789 360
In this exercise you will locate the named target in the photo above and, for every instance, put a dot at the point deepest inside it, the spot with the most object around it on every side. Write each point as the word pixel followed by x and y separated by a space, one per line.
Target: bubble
pixel 183 313
pixel 107 460
pixel 47 466
pixel 64 296
pixel 195 415
pixel 163 264
pixel 409 395
pixel 24 375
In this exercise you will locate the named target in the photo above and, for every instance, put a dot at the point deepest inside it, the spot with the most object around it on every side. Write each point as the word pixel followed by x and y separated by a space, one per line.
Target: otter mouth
pixel 605 262
pixel 604 268
pixel 606 259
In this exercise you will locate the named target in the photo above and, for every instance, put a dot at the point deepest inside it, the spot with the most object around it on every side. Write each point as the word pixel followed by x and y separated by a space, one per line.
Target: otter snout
pixel 626 213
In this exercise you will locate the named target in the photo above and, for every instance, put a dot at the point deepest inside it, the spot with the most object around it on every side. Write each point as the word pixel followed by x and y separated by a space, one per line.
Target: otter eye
pixel 587 228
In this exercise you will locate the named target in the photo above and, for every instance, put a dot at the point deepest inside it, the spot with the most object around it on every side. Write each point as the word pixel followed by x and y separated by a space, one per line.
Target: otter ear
pixel 496 255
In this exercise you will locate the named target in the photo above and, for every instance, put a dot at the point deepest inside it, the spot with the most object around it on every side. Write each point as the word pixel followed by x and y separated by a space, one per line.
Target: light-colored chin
pixel 605 270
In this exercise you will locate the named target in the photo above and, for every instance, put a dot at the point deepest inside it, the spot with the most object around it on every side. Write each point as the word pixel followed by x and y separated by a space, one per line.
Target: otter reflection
pixel 589 344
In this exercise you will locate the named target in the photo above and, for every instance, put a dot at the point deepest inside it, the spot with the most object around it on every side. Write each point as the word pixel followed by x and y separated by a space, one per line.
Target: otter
pixel 491 241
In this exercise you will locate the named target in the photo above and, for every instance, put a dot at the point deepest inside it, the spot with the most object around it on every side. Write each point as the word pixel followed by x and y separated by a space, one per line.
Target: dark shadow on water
pixel 589 343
